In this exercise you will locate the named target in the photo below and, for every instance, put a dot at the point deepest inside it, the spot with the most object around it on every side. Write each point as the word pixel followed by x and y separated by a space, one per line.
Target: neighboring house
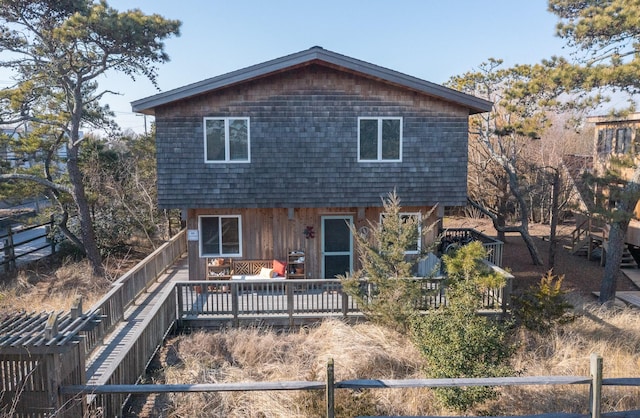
pixel 283 155
pixel 618 136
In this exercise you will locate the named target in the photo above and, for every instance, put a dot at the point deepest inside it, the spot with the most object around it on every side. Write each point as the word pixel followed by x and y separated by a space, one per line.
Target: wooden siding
pixel 270 233
pixel 303 125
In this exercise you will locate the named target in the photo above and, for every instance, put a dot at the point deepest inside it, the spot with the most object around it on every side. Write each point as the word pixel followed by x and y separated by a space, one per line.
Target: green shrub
pixel 458 343
pixel 540 307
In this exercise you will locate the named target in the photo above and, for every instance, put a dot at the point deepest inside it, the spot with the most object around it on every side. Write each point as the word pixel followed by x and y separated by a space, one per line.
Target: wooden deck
pixel 118 342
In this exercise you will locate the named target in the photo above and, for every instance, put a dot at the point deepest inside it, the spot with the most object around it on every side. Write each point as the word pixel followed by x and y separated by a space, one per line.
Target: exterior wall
pixel 270 233
pixel 303 133
pixel 602 154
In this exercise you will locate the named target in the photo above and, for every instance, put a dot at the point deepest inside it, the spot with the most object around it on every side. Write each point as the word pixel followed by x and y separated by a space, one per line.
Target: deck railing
pixel 234 301
pixel 137 353
pixel 460 236
pixel 237 300
pixel 124 291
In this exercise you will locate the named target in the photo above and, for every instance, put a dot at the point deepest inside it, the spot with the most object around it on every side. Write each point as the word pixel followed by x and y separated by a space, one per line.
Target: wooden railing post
pixel 330 390
pixel 596 385
pixel 345 301
pixel 290 303
pixel 235 301
pixel 179 290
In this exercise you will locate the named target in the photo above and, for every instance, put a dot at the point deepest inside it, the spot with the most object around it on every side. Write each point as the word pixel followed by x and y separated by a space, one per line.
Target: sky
pixel 429 39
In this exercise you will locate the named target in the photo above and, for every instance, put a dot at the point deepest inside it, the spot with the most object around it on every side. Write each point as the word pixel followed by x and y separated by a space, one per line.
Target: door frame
pixel 322 252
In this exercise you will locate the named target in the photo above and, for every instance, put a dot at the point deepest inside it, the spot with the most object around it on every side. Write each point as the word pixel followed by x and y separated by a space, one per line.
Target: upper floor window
pixel 226 140
pixel 379 139
pixel 220 236
pixel 623 140
pixel 612 140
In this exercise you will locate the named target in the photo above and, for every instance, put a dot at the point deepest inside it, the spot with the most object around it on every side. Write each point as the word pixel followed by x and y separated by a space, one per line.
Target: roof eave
pixel 315 54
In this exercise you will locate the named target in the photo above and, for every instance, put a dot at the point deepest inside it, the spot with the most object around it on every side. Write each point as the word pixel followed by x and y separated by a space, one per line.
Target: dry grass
pixel 361 351
pixel 371 352
pixel 43 287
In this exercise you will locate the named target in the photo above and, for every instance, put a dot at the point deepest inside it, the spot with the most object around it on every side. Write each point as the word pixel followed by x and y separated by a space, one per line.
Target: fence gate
pixel 38 354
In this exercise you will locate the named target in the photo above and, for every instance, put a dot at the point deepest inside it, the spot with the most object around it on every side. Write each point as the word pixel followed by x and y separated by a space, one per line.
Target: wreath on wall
pixel 309 233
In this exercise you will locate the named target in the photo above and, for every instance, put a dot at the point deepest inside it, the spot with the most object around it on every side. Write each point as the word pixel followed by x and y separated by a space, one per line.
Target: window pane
pixel 230 236
pixel 391 139
pixel 238 139
pixel 210 230
pixel 608 141
pixel 337 236
pixel 335 265
pixel 368 139
pixel 215 140
pixel 415 234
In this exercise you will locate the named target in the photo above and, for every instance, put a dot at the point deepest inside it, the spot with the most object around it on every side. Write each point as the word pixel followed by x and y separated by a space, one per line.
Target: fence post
pixel 52 236
pixel 330 390
pixel 596 385
pixel 9 250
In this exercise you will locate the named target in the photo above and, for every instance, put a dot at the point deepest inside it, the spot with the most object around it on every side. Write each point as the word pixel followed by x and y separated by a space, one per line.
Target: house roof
pixel 613 119
pixel 314 55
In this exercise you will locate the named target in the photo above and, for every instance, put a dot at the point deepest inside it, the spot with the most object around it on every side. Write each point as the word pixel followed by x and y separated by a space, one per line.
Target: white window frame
pixel 418 216
pixel 220 217
pixel 227 150
pixel 380 119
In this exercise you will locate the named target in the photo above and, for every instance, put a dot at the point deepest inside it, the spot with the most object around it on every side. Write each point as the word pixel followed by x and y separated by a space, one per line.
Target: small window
pixel 379 139
pixel 226 140
pixel 623 140
pixel 220 236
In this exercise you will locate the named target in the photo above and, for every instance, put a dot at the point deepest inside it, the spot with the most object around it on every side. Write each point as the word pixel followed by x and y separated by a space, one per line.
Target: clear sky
pixel 429 39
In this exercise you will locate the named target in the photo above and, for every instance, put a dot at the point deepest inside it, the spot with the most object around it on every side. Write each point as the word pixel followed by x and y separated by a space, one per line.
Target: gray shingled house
pixel 280 156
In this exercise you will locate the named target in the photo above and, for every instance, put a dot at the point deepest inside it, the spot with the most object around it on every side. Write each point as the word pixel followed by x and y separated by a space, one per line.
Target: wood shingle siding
pixel 304 141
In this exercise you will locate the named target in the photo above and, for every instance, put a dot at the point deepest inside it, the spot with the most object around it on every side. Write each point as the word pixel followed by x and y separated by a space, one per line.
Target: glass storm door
pixel 337 246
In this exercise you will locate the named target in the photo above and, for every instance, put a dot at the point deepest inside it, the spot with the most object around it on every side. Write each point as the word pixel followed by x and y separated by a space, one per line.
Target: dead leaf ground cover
pixel 582 276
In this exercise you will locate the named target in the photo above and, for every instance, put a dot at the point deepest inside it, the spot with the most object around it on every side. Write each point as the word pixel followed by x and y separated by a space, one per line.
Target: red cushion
pixel 279 267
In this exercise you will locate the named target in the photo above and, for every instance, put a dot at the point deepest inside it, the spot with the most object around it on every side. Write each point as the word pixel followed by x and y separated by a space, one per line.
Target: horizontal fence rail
pixel 23 241
pixel 595 381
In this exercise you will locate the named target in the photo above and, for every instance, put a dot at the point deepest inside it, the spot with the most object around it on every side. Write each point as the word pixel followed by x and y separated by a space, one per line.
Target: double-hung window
pixel 220 235
pixel 379 139
pixel 226 140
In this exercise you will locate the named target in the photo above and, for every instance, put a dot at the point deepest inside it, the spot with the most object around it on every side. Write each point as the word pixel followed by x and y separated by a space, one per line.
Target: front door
pixel 337 246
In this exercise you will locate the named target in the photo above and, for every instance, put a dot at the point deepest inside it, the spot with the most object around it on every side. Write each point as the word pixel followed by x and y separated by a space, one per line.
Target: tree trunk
pixel 617 233
pixel 536 259
pixel 555 208
pixel 84 214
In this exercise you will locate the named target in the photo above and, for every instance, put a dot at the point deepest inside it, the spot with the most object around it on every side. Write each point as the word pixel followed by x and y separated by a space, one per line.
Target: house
pixel 281 156
pixel 618 136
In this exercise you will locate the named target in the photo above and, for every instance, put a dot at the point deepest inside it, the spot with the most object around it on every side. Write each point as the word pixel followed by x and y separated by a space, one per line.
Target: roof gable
pixel 314 55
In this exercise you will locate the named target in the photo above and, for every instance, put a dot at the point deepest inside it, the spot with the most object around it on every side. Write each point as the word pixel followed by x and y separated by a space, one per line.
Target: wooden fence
pixel 135 356
pixel 36 360
pixel 15 238
pixel 40 353
pixel 595 381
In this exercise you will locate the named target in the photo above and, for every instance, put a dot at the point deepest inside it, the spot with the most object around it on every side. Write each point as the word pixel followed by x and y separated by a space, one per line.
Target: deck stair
pixel 591 241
